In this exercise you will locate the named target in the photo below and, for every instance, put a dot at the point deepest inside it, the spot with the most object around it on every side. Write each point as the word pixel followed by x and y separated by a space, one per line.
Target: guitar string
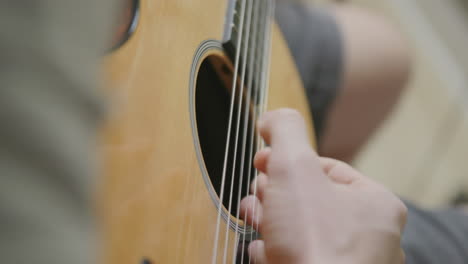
pixel 252 53
pixel 252 171
pixel 252 133
pixel 254 110
pixel 268 51
pixel 244 47
pixel 266 64
pixel 228 136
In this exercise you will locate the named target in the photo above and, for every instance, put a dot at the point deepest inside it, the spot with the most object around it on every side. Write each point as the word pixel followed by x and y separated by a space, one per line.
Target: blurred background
pixel 421 150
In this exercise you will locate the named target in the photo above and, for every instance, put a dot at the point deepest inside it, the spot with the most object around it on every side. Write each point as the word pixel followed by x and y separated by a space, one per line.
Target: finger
pixel 257 252
pixel 261 159
pixel 284 128
pixel 258 186
pixel 251 211
pixel 339 171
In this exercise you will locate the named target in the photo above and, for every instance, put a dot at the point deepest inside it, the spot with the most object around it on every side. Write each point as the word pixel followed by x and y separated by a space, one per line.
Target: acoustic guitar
pixel 187 80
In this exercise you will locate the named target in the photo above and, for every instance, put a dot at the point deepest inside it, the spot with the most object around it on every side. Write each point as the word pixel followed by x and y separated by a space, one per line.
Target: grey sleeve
pixel 315 42
pixel 49 109
pixel 435 236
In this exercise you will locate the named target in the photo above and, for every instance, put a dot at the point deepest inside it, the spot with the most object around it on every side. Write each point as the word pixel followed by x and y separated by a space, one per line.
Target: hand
pixel 317 210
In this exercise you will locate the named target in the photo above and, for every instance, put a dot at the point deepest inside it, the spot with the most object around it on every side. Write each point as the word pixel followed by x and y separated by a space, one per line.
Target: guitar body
pixel 155 202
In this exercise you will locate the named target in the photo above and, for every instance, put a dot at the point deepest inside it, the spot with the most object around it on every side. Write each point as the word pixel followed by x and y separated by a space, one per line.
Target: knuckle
pixel 279 165
pixel 341 166
pixel 342 173
pixel 288 162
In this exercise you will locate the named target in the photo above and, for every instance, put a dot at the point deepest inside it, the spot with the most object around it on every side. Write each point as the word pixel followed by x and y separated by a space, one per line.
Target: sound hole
pixel 212 103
